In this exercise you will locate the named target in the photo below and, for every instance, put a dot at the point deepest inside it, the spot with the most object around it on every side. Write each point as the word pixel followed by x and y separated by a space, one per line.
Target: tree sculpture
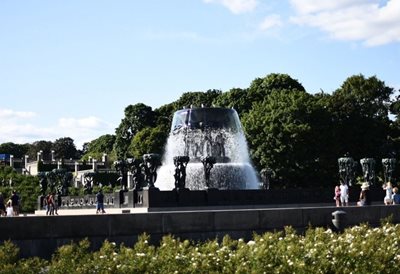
pixel 347 170
pixel 150 164
pixel 180 163
pixel 208 163
pixel 368 168
pixel 388 168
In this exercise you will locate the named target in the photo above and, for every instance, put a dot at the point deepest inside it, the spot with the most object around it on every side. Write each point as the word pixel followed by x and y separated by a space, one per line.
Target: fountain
pixel 201 133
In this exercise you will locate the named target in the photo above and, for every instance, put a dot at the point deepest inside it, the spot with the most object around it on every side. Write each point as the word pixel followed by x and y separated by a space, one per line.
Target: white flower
pixel 251 243
pixel 140 254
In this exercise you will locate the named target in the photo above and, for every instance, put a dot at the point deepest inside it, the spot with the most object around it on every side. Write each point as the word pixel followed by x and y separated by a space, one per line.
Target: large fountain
pixel 212 136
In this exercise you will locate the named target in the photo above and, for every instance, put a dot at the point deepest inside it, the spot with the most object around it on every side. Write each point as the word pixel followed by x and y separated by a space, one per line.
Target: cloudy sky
pixel 69 68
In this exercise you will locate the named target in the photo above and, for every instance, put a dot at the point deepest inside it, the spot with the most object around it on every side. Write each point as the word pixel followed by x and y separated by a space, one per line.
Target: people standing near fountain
pixel 100 202
pixel 2 206
pixel 365 198
pixel 337 195
pixel 15 202
pixel 389 193
pixel 396 196
pixel 344 194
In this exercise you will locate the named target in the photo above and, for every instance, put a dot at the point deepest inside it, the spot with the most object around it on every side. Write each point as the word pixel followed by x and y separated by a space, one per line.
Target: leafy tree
pixel 149 140
pixel 96 148
pixel 44 146
pixel 359 111
pixel 196 99
pixel 281 135
pixel 65 148
pixel 17 150
pixel 136 118
pixel 236 98
pixel 262 87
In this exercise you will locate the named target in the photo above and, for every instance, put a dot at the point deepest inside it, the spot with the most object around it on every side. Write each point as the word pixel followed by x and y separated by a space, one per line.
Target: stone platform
pixel 42 235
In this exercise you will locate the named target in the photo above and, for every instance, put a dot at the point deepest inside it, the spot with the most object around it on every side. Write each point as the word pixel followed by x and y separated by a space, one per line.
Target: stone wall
pixel 40 236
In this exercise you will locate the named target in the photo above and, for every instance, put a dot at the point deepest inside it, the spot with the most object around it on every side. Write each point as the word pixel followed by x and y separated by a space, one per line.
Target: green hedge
pixel 360 249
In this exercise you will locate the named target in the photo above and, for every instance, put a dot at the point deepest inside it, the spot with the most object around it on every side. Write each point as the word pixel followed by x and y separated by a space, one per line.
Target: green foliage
pixel 65 148
pixel 196 99
pixel 27 188
pixel 97 147
pixel 148 140
pixel 359 249
pixel 17 150
pixel 37 146
pixel 280 134
pixel 235 98
pixel 136 118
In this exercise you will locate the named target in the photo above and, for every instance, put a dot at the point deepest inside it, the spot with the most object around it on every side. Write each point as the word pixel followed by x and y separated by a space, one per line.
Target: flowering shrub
pixel 360 249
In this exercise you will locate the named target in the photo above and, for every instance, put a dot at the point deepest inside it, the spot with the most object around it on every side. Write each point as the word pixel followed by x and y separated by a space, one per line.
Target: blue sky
pixel 69 68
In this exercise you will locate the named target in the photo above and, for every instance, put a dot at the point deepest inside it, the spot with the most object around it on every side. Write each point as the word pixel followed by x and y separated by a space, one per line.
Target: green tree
pixel 281 136
pixel 96 148
pixel 65 148
pixel 359 111
pixel 136 118
pixel 148 140
pixel 17 150
pixel 37 146
pixel 196 99
pixel 236 98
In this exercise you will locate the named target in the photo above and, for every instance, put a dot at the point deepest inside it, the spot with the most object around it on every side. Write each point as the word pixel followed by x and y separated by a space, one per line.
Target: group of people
pixel 50 204
pixel 11 207
pixel 392 196
pixel 342 195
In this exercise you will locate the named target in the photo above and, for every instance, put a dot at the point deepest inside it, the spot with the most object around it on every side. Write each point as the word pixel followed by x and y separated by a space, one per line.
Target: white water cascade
pixel 210 137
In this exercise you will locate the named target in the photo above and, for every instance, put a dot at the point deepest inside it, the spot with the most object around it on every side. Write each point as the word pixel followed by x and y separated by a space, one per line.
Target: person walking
pixel 100 202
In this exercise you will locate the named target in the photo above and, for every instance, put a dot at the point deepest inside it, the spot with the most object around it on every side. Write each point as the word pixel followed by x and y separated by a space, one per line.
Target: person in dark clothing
pixel 100 202
pixel 365 198
pixel 15 202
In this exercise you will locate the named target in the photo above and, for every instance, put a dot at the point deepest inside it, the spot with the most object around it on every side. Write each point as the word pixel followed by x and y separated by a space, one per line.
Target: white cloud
pixel 90 122
pixel 12 114
pixel 352 20
pixel 15 127
pixel 270 22
pixel 236 6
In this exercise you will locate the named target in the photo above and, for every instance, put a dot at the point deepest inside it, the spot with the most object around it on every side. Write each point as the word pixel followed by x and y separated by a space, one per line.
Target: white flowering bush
pixel 360 249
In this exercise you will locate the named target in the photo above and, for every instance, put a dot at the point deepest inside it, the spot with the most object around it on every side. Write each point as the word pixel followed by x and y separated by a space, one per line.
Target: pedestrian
pixel 364 195
pixel 337 195
pixel 344 194
pixel 2 206
pixel 396 196
pixel 389 193
pixel 100 202
pixel 15 202
pixel 9 210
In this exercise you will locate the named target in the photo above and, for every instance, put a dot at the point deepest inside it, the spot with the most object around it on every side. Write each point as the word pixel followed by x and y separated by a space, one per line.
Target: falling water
pixel 232 170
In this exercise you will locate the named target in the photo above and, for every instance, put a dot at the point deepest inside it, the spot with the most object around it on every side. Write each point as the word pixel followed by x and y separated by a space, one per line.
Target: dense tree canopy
pixel 136 118
pixel 297 134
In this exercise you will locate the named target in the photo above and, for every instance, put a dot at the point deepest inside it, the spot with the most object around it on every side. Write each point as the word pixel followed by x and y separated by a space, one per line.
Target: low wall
pixel 40 236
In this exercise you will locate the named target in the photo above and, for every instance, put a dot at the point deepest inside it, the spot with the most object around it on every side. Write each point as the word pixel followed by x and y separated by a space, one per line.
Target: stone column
pixel 76 168
pixel 11 160
pixel 26 161
pixel 52 156
pixel 59 164
pixel 104 159
pixel 94 165
pixel 39 155
pixel 90 159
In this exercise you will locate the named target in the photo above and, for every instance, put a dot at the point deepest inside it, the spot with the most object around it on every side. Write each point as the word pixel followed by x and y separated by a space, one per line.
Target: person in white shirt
pixel 344 194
